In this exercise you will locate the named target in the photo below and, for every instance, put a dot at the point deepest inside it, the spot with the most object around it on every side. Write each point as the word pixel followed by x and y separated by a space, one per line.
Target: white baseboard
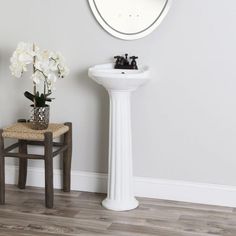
pixel 211 194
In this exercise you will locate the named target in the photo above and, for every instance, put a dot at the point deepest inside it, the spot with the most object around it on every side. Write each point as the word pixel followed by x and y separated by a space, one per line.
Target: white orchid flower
pixel 16 70
pixel 38 77
pixel 64 71
pixel 48 65
pixel 25 58
pixel 52 77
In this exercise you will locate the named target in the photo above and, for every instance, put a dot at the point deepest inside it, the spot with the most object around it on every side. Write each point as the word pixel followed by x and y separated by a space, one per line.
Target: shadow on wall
pixel 5 109
pixel 11 91
pixel 11 95
pixel 99 121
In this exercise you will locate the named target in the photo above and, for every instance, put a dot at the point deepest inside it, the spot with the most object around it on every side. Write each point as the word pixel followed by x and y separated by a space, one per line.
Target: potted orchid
pixel 47 67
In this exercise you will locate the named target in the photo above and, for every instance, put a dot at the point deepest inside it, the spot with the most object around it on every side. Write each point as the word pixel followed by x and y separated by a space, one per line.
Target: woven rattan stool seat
pixel 23 131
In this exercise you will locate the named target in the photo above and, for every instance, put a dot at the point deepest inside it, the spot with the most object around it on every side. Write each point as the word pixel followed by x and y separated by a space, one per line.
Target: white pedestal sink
pixel 119 84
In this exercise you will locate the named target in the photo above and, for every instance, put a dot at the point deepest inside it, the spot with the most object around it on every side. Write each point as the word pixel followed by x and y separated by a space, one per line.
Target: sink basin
pixel 118 79
pixel 119 84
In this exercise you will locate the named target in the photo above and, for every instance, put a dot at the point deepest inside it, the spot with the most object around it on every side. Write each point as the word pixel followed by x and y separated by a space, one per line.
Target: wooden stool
pixel 27 136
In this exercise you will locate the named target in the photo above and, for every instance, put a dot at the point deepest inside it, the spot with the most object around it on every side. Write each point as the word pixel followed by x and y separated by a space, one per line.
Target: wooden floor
pixel 80 213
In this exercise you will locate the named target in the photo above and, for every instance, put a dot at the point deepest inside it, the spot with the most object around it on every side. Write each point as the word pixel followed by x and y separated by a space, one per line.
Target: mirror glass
pixel 129 19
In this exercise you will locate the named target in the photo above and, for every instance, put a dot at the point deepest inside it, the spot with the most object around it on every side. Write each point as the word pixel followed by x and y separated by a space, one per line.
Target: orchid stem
pixel 44 88
pixel 35 88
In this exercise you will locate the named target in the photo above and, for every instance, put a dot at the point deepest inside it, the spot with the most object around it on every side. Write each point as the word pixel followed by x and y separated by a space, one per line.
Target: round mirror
pixel 129 19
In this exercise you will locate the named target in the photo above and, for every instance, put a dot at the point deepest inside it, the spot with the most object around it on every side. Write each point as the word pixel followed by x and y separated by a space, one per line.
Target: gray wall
pixel 184 120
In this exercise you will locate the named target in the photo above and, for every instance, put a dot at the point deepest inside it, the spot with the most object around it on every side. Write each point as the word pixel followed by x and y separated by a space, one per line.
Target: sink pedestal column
pixel 120 196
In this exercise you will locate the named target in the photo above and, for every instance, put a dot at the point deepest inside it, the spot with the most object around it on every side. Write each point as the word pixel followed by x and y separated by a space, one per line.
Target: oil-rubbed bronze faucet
pixel 123 62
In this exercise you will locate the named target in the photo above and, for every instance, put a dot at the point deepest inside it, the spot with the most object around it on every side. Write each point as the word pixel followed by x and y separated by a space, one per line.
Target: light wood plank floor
pixel 80 213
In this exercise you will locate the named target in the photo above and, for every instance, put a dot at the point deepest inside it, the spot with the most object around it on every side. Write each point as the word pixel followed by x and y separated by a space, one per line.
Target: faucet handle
pixel 133 58
pixel 118 61
pixel 118 58
pixel 134 63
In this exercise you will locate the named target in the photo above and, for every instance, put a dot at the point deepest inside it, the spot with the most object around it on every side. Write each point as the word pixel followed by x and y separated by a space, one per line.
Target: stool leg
pixel 2 170
pixel 67 159
pixel 49 196
pixel 22 165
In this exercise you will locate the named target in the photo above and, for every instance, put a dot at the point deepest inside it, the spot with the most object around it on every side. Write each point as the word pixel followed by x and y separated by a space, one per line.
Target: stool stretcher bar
pixel 8 153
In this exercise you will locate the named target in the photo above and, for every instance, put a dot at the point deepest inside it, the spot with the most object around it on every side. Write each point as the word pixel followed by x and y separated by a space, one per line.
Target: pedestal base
pixel 120 196
pixel 120 205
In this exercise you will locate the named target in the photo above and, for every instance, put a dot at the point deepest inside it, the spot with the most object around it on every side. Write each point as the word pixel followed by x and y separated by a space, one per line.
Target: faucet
pixel 123 62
